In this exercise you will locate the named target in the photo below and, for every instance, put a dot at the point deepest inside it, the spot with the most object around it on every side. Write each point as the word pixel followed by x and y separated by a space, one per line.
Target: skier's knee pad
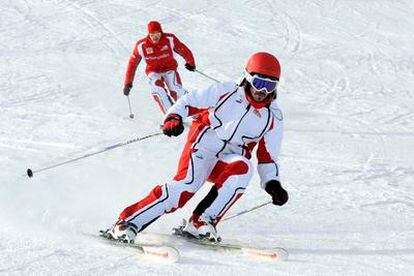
pixel 159 83
pixel 230 167
pixel 174 95
pixel 178 195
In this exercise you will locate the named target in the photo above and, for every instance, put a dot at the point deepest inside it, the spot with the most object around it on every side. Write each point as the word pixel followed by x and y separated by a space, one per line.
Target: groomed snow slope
pixel 347 91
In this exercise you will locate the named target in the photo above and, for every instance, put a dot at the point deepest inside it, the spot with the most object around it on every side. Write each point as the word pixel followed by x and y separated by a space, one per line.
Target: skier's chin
pixel 259 96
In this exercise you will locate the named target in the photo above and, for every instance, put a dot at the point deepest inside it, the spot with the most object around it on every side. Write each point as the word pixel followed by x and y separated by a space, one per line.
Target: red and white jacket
pixel 230 125
pixel 160 57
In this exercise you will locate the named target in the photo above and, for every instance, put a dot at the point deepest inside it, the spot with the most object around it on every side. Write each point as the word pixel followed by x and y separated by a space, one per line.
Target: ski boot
pixel 121 231
pixel 199 227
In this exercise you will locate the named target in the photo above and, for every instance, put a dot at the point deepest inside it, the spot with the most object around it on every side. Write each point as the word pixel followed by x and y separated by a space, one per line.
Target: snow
pixel 347 160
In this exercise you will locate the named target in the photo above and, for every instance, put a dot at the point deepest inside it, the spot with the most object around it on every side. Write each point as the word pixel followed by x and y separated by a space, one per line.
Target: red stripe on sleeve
pixel 263 156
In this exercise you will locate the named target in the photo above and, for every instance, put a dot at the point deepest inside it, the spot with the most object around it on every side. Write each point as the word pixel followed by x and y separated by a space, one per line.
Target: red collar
pixel 258 105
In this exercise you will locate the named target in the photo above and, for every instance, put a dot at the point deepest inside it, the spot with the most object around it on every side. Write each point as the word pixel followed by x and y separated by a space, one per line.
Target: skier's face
pixel 258 96
pixel 155 37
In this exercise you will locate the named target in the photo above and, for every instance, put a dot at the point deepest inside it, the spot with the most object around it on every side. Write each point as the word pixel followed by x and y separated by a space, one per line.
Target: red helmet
pixel 154 26
pixel 264 64
pixel 266 68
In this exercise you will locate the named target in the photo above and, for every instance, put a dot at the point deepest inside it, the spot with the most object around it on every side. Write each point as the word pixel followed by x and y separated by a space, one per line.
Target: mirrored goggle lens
pixel 262 84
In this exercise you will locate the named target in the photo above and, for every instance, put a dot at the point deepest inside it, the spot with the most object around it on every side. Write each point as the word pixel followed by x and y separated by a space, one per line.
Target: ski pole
pixel 247 211
pixel 207 76
pixel 131 115
pixel 30 172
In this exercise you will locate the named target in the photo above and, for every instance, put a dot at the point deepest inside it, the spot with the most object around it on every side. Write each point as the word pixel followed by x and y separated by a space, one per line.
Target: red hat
pixel 154 27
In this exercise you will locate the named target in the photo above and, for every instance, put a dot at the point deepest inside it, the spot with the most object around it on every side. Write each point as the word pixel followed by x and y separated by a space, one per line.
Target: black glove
pixel 173 125
pixel 190 67
pixel 278 194
pixel 127 89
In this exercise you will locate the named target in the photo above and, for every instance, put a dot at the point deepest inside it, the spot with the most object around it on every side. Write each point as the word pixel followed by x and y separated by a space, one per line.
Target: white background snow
pixel 348 154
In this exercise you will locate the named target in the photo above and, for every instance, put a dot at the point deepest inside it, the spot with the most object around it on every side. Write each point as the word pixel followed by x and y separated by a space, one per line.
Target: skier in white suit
pixel 232 119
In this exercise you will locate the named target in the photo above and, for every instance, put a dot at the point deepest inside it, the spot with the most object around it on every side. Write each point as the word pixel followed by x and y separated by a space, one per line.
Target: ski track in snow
pixel 346 90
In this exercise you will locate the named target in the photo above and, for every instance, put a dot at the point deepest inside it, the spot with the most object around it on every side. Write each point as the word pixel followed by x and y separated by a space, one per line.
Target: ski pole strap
pixel 247 210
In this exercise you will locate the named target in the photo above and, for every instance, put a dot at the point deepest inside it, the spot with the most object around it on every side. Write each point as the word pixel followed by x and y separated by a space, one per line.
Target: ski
pixel 271 254
pixel 159 252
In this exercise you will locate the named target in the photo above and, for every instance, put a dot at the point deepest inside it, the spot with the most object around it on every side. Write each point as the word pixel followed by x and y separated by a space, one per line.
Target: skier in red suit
pixel 158 50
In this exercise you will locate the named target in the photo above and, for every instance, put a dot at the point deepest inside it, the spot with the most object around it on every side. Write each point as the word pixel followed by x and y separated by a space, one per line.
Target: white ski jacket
pixel 233 126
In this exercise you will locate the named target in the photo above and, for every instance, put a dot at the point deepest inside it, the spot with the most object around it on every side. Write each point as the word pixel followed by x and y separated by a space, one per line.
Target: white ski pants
pixel 230 174
pixel 166 88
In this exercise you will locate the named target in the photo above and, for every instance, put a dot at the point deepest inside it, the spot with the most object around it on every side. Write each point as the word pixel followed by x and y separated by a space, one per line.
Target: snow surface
pixel 348 154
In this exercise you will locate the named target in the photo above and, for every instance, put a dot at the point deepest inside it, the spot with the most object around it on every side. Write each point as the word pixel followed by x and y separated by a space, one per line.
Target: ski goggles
pixel 261 83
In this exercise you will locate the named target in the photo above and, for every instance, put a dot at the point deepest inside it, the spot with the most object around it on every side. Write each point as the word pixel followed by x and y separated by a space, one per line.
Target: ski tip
pixel 274 254
pixel 163 253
